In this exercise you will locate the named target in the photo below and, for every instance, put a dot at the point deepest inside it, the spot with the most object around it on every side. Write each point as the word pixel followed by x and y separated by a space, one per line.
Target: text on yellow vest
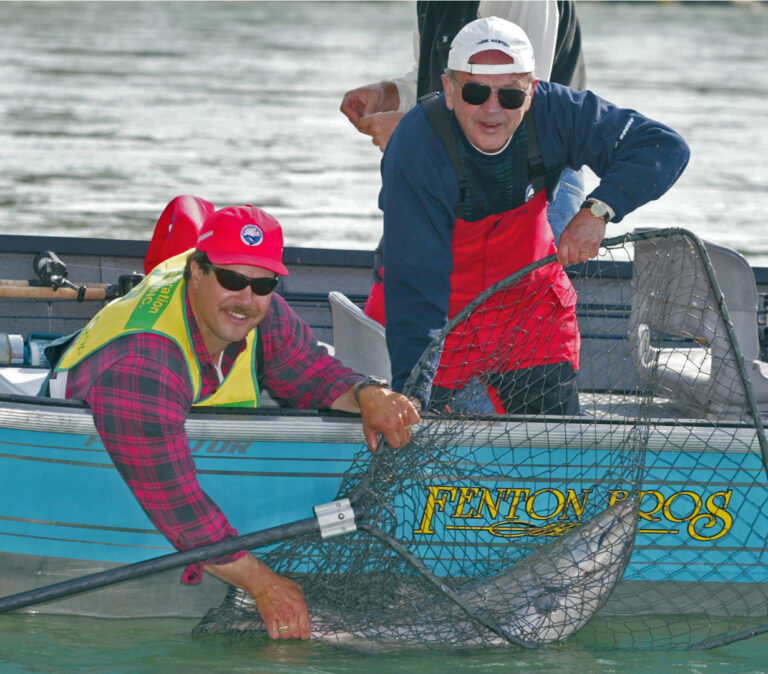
pixel 156 305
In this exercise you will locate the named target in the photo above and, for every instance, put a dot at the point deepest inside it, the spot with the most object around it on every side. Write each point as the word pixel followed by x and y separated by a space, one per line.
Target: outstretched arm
pixel 370 99
pixel 581 239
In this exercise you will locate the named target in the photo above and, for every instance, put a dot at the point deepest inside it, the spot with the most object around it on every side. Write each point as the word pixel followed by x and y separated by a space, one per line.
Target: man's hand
pixel 370 99
pixel 363 101
pixel 282 607
pixel 383 411
pixel 389 413
pixel 380 126
pixel 280 601
pixel 581 238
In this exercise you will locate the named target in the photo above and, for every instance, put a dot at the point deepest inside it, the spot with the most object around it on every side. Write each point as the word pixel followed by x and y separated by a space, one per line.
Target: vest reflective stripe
pixel 537 318
pixel 157 306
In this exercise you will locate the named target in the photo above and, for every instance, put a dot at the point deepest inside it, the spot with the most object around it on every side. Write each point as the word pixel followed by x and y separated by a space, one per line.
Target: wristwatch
pixel 599 209
pixel 369 381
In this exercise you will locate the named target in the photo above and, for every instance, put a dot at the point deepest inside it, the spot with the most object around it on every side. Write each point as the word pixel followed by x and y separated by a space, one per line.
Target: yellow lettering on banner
pixel 517 494
pixel 571 502
pixel 559 498
pixel 492 506
pixel 676 497
pixel 649 515
pixel 436 499
pixel 466 494
pixel 618 495
pixel 710 518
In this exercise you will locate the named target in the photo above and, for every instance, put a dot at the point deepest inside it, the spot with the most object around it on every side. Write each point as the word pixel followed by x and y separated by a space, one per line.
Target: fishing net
pixel 631 514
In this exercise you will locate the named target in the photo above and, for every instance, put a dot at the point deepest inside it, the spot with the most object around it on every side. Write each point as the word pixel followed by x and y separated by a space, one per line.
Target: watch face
pixel 599 210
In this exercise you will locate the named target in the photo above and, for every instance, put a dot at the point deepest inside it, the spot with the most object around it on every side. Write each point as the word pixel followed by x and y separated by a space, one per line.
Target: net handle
pixel 93 581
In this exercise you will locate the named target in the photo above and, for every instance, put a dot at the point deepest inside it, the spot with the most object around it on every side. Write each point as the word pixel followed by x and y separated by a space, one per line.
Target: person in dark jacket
pixel 442 248
pixel 555 34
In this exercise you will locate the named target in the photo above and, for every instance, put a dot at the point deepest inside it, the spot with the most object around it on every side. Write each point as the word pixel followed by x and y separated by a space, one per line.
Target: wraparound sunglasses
pixel 475 93
pixel 231 280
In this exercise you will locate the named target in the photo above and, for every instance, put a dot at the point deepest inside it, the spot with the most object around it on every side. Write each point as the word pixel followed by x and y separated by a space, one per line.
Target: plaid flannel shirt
pixel 140 395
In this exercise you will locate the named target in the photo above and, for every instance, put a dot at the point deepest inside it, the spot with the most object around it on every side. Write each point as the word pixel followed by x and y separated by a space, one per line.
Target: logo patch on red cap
pixel 252 235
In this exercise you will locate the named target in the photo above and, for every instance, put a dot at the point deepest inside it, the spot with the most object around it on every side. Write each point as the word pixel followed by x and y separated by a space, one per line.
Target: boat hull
pixel 65 512
pixel 68 513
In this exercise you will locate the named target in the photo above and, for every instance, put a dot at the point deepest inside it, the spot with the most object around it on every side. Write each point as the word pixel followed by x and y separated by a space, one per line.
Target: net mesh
pixel 624 506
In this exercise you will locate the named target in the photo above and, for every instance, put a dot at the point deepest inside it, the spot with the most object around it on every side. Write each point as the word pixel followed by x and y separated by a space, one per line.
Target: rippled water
pixel 110 109
pixel 59 644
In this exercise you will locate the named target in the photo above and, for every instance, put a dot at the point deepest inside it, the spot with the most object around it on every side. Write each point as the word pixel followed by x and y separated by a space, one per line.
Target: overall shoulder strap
pixel 440 118
pixel 537 172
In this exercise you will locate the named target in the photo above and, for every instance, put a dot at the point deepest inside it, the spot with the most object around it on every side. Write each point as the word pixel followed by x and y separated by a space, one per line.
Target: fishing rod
pixel 52 283
pixel 53 272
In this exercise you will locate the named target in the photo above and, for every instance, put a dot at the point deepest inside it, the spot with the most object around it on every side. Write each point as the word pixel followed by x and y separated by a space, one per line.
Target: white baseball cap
pixel 491 33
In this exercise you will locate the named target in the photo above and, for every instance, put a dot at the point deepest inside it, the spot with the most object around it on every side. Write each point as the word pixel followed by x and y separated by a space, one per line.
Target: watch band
pixel 599 209
pixel 369 381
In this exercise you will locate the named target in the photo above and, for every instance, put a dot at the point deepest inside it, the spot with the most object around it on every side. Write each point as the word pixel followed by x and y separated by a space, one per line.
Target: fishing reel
pixel 52 272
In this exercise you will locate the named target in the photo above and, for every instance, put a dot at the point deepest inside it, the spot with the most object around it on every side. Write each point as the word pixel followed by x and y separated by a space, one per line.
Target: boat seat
pixel 25 381
pixel 359 341
pixel 679 342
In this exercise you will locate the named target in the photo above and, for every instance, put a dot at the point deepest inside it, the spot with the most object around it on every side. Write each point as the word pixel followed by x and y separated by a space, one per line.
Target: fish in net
pixel 636 519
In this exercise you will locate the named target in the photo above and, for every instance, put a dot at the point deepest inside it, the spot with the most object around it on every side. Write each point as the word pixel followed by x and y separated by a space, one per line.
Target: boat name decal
pixel 220 447
pixel 512 512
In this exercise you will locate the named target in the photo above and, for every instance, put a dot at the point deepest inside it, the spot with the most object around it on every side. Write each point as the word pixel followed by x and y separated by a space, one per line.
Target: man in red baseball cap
pixel 205 328
pixel 241 246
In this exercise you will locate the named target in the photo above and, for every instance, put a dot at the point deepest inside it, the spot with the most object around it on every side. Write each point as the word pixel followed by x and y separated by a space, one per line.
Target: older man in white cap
pixel 466 179
pixel 555 33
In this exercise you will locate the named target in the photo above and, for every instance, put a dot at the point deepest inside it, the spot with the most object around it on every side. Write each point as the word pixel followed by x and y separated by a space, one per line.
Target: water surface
pixel 111 109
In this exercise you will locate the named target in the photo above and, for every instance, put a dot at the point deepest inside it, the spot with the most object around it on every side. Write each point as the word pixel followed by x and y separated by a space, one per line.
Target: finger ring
pixel 282 629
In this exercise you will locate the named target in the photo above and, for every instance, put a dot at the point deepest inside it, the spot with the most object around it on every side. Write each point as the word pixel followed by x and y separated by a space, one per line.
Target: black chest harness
pixel 441 120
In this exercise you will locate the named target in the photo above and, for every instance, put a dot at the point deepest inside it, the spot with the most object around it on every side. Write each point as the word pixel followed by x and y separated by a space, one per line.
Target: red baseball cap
pixel 243 235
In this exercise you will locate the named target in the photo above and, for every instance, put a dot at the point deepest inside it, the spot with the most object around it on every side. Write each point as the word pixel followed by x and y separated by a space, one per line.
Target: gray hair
pixel 452 75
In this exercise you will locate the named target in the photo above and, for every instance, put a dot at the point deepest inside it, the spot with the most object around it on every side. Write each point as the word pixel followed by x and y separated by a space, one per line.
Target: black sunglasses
pixel 231 280
pixel 475 93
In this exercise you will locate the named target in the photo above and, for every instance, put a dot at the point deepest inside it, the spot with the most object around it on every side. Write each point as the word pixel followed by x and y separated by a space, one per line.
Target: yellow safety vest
pixel 156 305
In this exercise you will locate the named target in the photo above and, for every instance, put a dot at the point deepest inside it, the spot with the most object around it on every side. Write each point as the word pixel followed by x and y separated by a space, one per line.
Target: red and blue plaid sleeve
pixel 296 367
pixel 140 397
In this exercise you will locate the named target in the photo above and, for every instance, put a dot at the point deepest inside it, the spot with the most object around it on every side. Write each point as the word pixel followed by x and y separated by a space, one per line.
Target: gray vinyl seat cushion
pixel 359 341
pixel 673 299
